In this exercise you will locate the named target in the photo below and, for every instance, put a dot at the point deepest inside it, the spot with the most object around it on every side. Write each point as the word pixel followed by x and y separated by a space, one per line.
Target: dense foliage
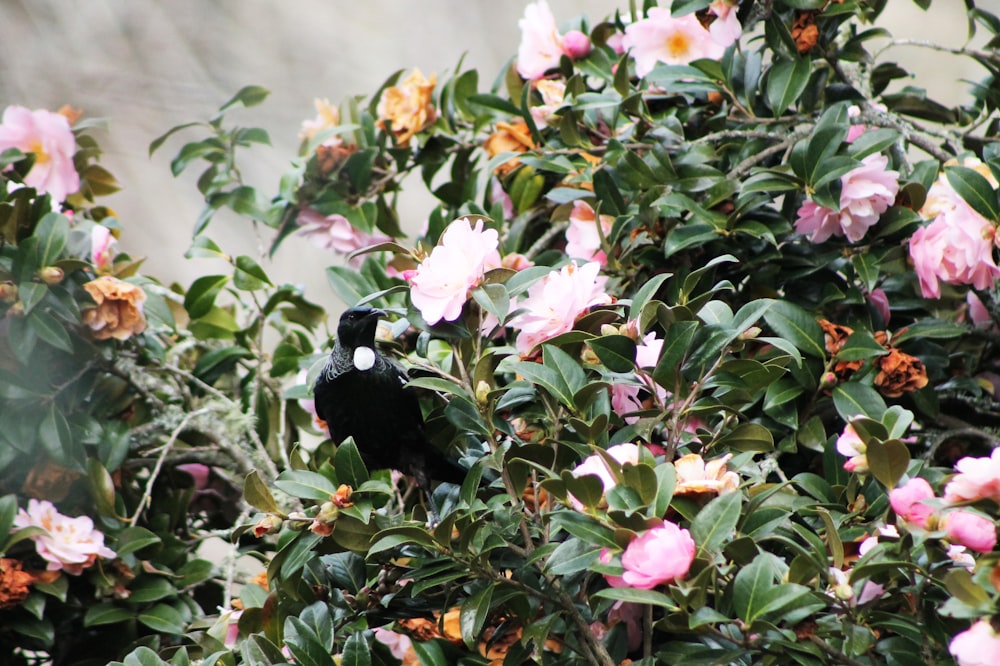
pixel 707 306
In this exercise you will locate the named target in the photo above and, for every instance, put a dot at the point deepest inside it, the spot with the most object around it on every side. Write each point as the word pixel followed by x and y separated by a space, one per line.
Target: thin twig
pixel 148 492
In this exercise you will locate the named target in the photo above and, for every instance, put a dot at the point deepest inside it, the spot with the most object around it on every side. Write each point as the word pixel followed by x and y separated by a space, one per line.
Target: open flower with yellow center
pixel 408 108
pixel 695 476
pixel 118 313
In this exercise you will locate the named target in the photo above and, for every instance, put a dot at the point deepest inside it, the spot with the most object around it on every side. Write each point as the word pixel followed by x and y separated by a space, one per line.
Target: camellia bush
pixel 707 306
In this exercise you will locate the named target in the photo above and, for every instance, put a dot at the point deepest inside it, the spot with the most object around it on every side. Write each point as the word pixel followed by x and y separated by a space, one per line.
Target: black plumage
pixel 361 393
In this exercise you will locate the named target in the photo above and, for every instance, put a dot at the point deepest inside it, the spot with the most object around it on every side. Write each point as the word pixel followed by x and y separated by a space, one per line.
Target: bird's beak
pixel 377 313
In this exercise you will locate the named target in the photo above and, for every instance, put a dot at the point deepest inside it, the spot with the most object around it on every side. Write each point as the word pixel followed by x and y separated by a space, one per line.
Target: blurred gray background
pixel 146 66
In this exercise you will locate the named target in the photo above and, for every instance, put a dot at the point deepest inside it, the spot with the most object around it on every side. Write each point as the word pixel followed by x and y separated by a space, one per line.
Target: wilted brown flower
pixel 119 308
pixel 342 497
pixel 47 480
pixel 834 338
pixel 509 138
pixel 804 31
pixel 14 583
pixel 899 373
pixel 408 107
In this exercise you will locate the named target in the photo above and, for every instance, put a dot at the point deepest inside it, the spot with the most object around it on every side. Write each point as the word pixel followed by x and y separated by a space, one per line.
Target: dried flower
pixel 15 583
pixel 119 309
pixel 408 108
pixel 899 373
pixel 509 138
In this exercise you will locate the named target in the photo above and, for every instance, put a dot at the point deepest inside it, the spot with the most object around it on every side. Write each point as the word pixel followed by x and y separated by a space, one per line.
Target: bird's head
pixel 357 326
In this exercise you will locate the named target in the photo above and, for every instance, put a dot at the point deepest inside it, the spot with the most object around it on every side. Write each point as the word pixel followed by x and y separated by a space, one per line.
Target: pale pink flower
pixel 979 645
pixel 69 544
pixel 970 530
pixel 977 478
pixel 335 233
pixel 957 248
pixel 596 465
pixel 541 43
pixel 48 136
pixel 553 93
pixel 872 541
pixel 694 475
pixel 957 554
pixel 606 557
pixel 659 555
pixel 327 118
pixel 866 192
pixel 101 242
pixel 500 196
pixel 443 280
pixel 674 41
pixel 516 261
pixel 880 301
pixel 554 303
pixel 625 397
pixel 851 445
pixel 977 312
pixel 908 501
pixel 726 28
pixel 398 644
pixel 583 240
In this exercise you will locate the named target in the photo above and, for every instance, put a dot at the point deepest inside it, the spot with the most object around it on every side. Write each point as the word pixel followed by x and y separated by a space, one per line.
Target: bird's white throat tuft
pixel 364 358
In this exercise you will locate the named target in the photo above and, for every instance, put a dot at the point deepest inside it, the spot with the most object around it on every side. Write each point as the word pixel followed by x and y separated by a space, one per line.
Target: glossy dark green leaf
pixel 887 461
pixel 305 484
pixel 350 468
pixel 200 298
pixel 797 326
pixel 853 399
pixel 249 276
pixel 716 522
pixel 258 495
pixel 617 352
pixel 786 81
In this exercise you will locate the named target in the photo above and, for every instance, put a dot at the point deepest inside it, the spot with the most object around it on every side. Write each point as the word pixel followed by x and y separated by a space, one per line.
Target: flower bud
pixel 342 498
pixel 8 291
pixel 575 44
pixel 828 381
pixel 269 524
pixel 51 275
pixel 482 392
pixel 750 334
pixel 16 310
pixel 328 513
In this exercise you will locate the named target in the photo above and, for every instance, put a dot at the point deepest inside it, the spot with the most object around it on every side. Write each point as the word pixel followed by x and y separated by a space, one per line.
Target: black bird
pixel 360 393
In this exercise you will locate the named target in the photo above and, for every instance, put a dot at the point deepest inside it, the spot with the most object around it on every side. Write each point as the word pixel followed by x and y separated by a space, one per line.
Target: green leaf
pixel 133 539
pixel 785 83
pixel 975 190
pixel 350 468
pixel 797 326
pixel 200 298
pixel 572 556
pixel 547 378
pixel 162 618
pixel 143 656
pixel 716 522
pixel 617 352
pixel 474 613
pixel 676 346
pixel 853 399
pixel 637 596
pixel 666 481
pixel 305 484
pixel 751 585
pixel 356 651
pixel 49 329
pixel 106 614
pixel 872 141
pixel 102 488
pixel 887 461
pixel 249 276
pixel 393 537
pixel 258 495
pixel 748 437
pixel 860 346
pixel 204 247
pixel 247 96
pixel 52 232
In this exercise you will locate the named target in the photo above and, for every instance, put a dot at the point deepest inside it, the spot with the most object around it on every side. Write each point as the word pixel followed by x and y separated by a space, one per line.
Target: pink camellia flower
pixel 866 192
pixel 979 645
pixel 542 45
pixel 958 555
pixel 335 233
pixel 553 93
pixel 48 136
pixel 101 242
pixel 596 465
pixel 908 501
pixel 726 28
pixel 977 478
pixel 399 644
pixel 443 280
pixel 606 557
pixel 880 301
pixel 583 240
pixel 625 397
pixel 674 41
pixel 68 544
pixel 971 530
pixel 977 311
pixel 957 248
pixel 872 541
pixel 659 555
pixel 555 301
pixel 851 445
